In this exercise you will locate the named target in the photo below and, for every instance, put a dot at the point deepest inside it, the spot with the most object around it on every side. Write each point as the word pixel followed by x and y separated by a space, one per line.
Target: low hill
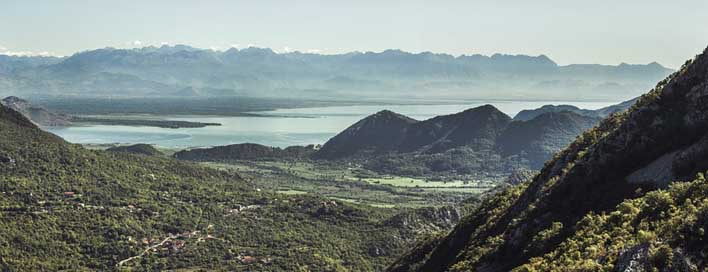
pixel 594 207
pixel 536 140
pixel 142 149
pixel 526 115
pixel 246 151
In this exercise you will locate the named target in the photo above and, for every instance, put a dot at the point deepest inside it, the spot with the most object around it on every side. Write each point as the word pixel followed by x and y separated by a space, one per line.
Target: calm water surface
pixel 285 127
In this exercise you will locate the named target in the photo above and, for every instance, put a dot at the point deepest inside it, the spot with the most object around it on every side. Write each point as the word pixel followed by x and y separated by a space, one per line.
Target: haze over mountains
pixel 183 71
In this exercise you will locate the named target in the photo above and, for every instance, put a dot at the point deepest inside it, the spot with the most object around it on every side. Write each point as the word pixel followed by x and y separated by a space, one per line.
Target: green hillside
pixel 63 207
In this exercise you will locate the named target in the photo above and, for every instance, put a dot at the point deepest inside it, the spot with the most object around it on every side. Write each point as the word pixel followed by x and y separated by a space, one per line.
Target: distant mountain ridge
pixel 172 70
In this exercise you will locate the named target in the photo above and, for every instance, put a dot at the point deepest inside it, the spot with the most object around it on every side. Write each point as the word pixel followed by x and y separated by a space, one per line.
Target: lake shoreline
pixel 278 128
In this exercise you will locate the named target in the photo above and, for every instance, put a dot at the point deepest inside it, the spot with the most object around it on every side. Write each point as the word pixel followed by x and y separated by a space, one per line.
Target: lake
pixel 282 127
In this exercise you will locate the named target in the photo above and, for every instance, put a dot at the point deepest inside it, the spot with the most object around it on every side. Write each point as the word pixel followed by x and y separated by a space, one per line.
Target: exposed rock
pixel 636 259
pixel 519 176
pixel 4 159
pixel 36 114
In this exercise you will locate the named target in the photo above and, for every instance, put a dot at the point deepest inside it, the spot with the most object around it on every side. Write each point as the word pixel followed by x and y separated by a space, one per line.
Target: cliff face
pixel 664 132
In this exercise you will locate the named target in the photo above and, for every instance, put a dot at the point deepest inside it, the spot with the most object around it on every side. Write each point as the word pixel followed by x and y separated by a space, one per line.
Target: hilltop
pixel 595 205
pixel 375 134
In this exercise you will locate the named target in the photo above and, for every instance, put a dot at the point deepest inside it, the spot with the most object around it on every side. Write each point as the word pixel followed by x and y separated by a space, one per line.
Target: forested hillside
pixel 63 207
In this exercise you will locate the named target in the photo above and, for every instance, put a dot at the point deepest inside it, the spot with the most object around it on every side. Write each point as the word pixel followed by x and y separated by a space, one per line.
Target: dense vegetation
pixel 142 149
pixel 591 207
pixel 246 151
pixel 63 207
pixel 663 230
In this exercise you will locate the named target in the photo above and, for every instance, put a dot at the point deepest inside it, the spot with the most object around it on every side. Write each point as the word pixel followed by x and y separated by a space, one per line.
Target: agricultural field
pixel 351 183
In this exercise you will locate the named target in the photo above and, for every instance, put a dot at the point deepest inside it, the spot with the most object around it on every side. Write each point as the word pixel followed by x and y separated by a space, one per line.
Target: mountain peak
pixel 376 133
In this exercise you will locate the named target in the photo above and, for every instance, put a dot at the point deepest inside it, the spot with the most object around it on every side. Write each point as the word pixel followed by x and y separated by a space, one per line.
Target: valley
pixel 354 136
pixel 240 183
pixel 356 185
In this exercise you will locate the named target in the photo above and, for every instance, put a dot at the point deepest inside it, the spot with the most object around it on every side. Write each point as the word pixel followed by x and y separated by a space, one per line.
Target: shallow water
pixel 285 127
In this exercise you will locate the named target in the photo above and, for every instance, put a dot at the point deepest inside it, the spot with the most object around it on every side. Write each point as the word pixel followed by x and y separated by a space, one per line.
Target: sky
pixel 568 31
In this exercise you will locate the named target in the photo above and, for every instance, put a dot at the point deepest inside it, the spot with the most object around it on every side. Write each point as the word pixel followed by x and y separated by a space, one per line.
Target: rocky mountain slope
pixel 37 114
pixel 589 209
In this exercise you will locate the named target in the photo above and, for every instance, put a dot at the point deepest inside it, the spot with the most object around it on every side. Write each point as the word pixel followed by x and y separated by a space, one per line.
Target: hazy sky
pixel 568 31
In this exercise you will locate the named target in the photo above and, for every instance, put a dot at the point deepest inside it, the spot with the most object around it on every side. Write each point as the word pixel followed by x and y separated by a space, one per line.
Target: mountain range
pixel 628 195
pixel 483 131
pixel 183 71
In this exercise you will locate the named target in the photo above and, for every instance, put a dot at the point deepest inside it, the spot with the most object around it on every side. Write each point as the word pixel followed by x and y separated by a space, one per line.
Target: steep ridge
pixel 589 177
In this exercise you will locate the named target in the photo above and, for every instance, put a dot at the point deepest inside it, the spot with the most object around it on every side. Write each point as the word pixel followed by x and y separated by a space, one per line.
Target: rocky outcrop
pixel 36 114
